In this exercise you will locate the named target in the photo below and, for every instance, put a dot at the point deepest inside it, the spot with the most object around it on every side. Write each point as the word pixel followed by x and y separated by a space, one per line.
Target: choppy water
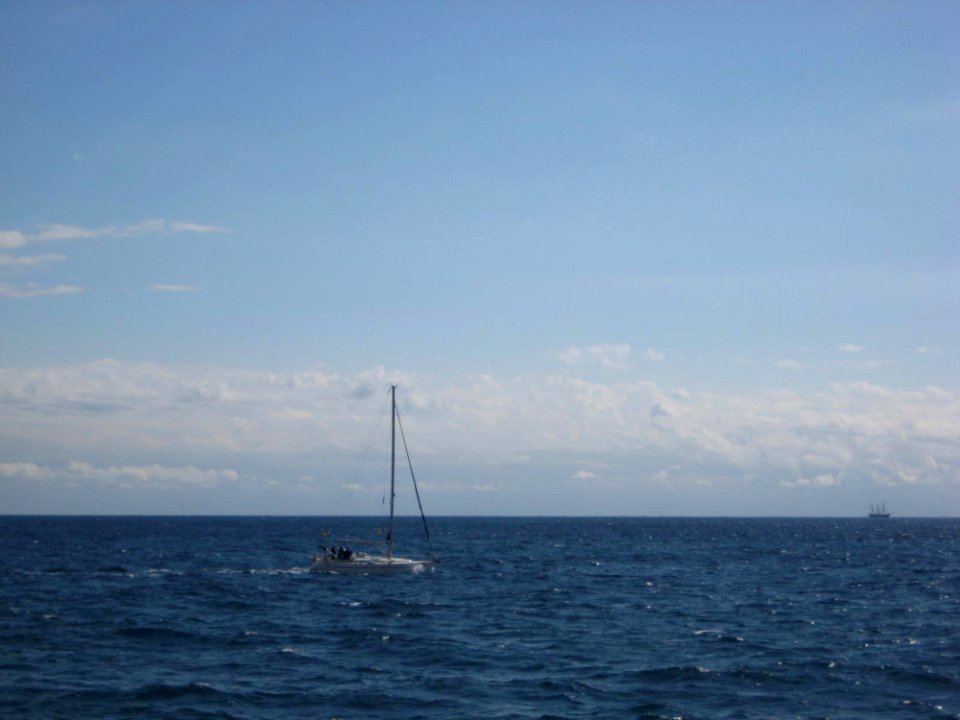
pixel 523 618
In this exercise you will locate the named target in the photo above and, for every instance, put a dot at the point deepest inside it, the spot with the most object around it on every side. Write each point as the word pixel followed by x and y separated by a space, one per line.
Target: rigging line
pixel 423 517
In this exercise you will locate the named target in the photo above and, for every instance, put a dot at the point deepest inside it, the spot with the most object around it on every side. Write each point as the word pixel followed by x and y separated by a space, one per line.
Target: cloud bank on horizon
pixel 234 431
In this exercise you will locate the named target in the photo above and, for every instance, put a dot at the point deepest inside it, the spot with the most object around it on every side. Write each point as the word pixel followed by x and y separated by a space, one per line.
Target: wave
pixel 718 635
pixel 670 674
pixel 158 633
pixel 929 679
pixel 165 691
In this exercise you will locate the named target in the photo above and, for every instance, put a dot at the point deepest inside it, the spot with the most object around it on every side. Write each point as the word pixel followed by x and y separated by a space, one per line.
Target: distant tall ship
pixel 879 512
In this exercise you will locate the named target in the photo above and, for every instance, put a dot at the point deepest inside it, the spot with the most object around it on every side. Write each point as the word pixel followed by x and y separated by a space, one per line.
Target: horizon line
pixel 476 517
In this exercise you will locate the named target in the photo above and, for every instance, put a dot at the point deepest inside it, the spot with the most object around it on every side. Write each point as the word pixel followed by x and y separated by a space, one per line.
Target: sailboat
pixel 879 512
pixel 337 559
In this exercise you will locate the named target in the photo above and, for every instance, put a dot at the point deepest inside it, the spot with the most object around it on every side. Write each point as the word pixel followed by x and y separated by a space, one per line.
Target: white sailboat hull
pixel 362 564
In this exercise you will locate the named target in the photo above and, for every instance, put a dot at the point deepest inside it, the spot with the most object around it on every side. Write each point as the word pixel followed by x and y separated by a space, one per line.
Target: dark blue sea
pixel 115 617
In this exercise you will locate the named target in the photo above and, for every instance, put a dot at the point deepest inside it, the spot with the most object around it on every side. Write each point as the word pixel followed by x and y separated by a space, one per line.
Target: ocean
pixel 213 617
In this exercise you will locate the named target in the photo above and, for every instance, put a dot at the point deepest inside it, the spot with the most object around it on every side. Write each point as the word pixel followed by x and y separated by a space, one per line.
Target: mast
pixel 393 462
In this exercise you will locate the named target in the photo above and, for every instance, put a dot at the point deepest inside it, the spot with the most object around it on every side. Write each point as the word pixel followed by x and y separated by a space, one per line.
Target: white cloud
pixel 667 473
pixel 144 227
pixel 12 239
pixel 126 475
pixel 159 287
pixel 652 355
pixel 485 488
pixel 19 262
pixel 27 470
pixel 52 233
pixel 32 290
pixel 608 356
pixel 196 228
pixel 571 356
pixel 61 232
pixel 584 475
pixel 151 474
pixel 824 480
pixel 850 348
pixel 789 365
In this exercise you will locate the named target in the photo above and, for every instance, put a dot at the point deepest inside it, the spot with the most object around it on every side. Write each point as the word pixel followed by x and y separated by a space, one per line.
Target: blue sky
pixel 623 258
